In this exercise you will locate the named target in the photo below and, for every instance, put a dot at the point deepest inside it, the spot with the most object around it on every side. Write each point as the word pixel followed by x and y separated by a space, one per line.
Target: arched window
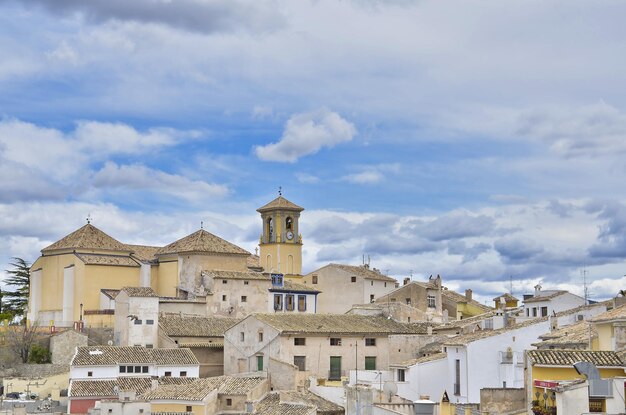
pixel 290 264
pixel 270 229
pixel 268 263
pixel 289 224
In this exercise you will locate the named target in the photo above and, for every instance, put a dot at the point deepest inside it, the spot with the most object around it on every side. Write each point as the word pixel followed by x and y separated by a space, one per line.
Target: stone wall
pixel 63 346
pixel 495 401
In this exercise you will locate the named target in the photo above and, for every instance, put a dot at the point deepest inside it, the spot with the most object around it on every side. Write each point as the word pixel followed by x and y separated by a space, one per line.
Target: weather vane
pixel 280 190
pixel 88 218
pixel 201 224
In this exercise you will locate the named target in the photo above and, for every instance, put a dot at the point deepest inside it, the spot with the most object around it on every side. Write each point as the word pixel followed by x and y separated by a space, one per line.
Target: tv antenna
pixel 583 272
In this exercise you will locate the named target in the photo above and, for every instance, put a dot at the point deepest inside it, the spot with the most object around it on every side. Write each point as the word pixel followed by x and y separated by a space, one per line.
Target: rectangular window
pixel 431 301
pixel 260 336
pixel 299 341
pixel 137 321
pixel 302 303
pixel 242 336
pixel 370 342
pixel 224 281
pixel 244 299
pixel 401 375
pixel 528 312
pixel 168 374
pixel 335 341
pixel 352 279
pixel 385 284
pixel 129 369
pixel 544 311
pixel 457 377
pixel 278 302
pixel 534 311
pixel 371 298
pixel 144 369
pixel 150 322
pixel 188 408
pixel 137 369
pixel 89 374
pixel 289 302
pixel 246 282
pixel 224 297
pixel 259 363
pixel 122 369
pixel 314 279
pixel 229 402
pixel 183 374
pixel 372 283
pixel 149 346
pixel 370 362
pixel 300 361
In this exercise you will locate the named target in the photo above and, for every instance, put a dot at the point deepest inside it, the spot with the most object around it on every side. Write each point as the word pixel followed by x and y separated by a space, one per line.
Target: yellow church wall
pixel 96 277
pixel 52 279
pixel 469 310
pixel 154 278
pixel 167 279
pixel 286 250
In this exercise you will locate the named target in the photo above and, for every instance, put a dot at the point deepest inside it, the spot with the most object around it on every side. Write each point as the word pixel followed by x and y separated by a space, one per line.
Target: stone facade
pixel 496 401
pixel 63 346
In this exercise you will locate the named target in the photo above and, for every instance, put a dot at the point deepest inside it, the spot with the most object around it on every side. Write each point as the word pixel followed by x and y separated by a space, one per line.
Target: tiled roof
pixel 466 321
pixel 294 286
pixel 423 359
pixel 271 405
pixel 583 307
pixel 143 252
pixel 324 406
pixel 198 389
pixel 116 260
pixel 548 296
pixel 237 275
pixel 280 203
pixel 464 339
pixel 459 298
pixel 554 357
pixel 363 271
pixel 507 297
pixel 175 325
pixel 87 237
pixel 618 313
pixel 113 355
pixel 139 292
pixel 254 261
pixel 203 345
pixel 202 241
pixel 338 323
pixel 104 388
pixel 110 292
pixel 33 371
pixel 577 333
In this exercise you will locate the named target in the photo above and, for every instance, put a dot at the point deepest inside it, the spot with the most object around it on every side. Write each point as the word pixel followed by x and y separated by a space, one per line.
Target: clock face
pixel 289 235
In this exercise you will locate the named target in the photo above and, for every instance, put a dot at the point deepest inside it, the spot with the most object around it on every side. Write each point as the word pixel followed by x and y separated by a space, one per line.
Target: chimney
pixel 406 281
pixel 468 294
pixel 537 289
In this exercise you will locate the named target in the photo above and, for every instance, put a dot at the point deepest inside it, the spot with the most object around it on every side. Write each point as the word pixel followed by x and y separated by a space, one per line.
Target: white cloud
pixel 139 177
pixel 260 112
pixel 366 177
pixel 307 178
pixel 307 133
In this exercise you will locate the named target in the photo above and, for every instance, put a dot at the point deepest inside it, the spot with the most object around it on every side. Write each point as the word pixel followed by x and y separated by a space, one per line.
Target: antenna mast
pixel 583 272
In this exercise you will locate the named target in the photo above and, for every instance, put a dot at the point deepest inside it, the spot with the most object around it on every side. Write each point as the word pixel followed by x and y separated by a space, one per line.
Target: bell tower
pixel 281 242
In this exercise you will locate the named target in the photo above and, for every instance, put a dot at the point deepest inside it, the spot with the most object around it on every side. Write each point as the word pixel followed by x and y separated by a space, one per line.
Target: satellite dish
pixel 390 388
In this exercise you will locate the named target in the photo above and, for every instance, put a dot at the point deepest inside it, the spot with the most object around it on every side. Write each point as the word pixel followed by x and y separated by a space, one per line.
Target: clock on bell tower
pixel 281 243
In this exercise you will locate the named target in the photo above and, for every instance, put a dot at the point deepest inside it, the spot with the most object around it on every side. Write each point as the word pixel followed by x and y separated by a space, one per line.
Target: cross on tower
pixel 88 218
pixel 280 190
pixel 201 224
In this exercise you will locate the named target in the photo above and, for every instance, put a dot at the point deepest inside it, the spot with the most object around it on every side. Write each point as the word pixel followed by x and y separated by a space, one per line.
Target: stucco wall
pixel 498 400
pixel 227 298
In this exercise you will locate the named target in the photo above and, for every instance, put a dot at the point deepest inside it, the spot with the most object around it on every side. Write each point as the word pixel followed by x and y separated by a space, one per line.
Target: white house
pixel 291 297
pixel 548 302
pixel 136 317
pixel 96 370
pixel 489 359
pixel 425 376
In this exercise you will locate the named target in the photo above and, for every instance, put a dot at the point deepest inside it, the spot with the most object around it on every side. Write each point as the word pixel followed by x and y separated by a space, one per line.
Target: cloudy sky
pixel 481 140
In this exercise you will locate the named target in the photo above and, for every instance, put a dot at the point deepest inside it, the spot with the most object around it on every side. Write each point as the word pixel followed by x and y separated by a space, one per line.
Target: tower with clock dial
pixel 281 243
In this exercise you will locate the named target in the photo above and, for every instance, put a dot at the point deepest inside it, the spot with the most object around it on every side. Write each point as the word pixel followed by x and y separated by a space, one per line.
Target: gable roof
pixel 87 237
pixel 296 287
pixel 280 203
pixel 175 325
pixel 549 295
pixel 139 292
pixel 578 333
pixel 464 339
pixel 114 355
pixel 361 271
pixel 339 324
pixel 198 389
pixel 202 241
pixel 618 313
pixel 507 297
pixel 460 298
pixel 114 260
pixel 237 275
pixel 106 387
pixel 423 359
pixel 143 253
pixel 309 398
pixel 271 404
pixel 554 357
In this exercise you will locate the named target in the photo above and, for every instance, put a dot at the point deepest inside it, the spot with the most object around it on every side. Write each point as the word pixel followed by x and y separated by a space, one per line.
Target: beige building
pixel 611 329
pixel 323 345
pixel 460 306
pixel 204 336
pixel 343 286
pixel 423 299
pixel 136 317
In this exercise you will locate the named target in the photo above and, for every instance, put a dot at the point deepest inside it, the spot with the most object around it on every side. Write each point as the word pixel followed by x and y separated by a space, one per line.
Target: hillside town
pixel 201 326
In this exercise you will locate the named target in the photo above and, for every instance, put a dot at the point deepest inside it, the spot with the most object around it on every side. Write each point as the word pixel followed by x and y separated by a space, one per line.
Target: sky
pixel 483 141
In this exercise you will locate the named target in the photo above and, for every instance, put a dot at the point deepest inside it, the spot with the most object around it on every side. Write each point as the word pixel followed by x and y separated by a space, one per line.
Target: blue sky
pixel 479 140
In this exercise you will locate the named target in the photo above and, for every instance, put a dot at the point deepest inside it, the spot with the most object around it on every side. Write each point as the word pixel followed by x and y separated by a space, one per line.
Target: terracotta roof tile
pixel 463 339
pixel 323 406
pixel 143 253
pixel 113 355
pixel 202 241
pixel 459 298
pixel 338 324
pixel 237 275
pixel 423 359
pixel 553 357
pixel 564 337
pixel 87 237
pixel 272 405
pixel 545 296
pixel 618 313
pixel 362 271
pixel 294 286
pixel 507 297
pixel 105 388
pixel 280 203
pixel 175 325
pixel 139 292
pixel 199 389
pixel 115 260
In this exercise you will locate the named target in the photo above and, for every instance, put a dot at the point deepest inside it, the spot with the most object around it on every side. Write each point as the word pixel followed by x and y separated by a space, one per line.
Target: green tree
pixel 16 301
